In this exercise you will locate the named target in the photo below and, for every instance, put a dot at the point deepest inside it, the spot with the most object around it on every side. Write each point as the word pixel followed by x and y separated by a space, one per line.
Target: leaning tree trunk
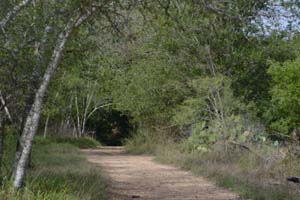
pixel 14 12
pixel 32 120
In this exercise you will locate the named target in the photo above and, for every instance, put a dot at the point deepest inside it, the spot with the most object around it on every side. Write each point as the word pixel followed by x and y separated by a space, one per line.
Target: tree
pixel 175 65
pixel 32 120
pixel 284 112
pixel 83 12
pixel 199 63
pixel 13 13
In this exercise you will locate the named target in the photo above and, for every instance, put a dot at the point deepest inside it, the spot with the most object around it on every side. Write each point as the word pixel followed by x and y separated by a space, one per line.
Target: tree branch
pixel 13 13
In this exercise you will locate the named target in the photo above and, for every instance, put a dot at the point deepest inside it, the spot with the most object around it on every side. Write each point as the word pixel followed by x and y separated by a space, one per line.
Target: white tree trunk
pixel 78 118
pixel 33 117
pixel 14 12
pixel 81 119
pixel 2 101
pixel 46 126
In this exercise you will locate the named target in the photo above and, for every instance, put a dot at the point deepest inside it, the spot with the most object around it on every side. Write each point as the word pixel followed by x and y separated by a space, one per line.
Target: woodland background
pixel 213 86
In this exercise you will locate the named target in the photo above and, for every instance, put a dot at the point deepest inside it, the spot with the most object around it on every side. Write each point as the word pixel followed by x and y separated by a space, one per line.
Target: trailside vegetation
pixel 204 84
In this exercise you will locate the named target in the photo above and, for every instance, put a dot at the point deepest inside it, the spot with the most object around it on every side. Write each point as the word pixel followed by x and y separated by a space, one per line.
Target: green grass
pixel 143 143
pixel 59 172
pixel 251 190
pixel 238 170
pixel 82 143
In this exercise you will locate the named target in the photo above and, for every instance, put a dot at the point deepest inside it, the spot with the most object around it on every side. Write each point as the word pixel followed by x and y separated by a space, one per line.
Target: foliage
pixel 59 172
pixel 238 169
pixel 197 74
pixel 142 142
pixel 210 85
pixel 82 142
pixel 285 96
pixel 111 127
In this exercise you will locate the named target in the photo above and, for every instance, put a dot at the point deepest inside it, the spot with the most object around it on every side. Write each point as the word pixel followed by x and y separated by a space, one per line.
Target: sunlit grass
pixel 59 172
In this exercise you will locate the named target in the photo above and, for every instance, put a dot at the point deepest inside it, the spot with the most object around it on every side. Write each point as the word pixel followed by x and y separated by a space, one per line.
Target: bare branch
pixel 97 108
pixel 4 106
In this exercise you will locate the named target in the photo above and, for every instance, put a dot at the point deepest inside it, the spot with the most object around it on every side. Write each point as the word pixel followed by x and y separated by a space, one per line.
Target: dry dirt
pixel 139 177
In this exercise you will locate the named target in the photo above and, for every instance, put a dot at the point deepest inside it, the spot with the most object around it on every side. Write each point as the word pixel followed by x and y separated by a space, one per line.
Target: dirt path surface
pixel 139 177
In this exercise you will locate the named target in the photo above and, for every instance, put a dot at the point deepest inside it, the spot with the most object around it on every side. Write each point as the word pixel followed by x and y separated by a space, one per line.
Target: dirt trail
pixel 139 177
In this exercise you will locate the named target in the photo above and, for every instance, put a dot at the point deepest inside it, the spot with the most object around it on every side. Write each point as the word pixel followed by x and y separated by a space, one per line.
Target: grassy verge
pixel 59 172
pixel 82 143
pixel 237 169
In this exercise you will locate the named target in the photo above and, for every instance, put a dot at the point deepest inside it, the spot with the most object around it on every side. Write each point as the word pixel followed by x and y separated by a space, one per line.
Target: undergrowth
pixel 59 171
pixel 82 143
pixel 242 171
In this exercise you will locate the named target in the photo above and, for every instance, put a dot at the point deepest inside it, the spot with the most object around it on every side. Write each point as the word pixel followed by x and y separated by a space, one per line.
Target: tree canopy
pixel 205 71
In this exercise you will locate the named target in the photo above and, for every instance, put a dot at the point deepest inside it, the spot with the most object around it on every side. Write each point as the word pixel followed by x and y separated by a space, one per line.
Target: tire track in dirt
pixel 139 177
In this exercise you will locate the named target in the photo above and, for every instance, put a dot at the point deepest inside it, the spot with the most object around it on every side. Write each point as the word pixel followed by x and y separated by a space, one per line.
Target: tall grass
pixel 253 177
pixel 59 172
pixel 82 142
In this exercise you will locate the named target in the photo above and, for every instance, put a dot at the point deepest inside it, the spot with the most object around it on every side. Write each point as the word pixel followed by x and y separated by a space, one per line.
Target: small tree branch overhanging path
pixel 139 177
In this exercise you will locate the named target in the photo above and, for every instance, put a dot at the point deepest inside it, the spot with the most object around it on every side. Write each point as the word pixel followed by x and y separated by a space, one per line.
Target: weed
pixel 59 172
pixel 239 170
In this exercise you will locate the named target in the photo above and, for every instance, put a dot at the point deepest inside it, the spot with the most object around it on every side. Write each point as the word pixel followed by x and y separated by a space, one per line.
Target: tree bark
pixel 13 13
pixel 2 101
pixel 32 120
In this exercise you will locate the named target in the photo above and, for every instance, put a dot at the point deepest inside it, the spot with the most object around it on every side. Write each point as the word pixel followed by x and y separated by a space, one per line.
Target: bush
pixel 146 141
pixel 260 174
pixel 284 115
pixel 142 142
